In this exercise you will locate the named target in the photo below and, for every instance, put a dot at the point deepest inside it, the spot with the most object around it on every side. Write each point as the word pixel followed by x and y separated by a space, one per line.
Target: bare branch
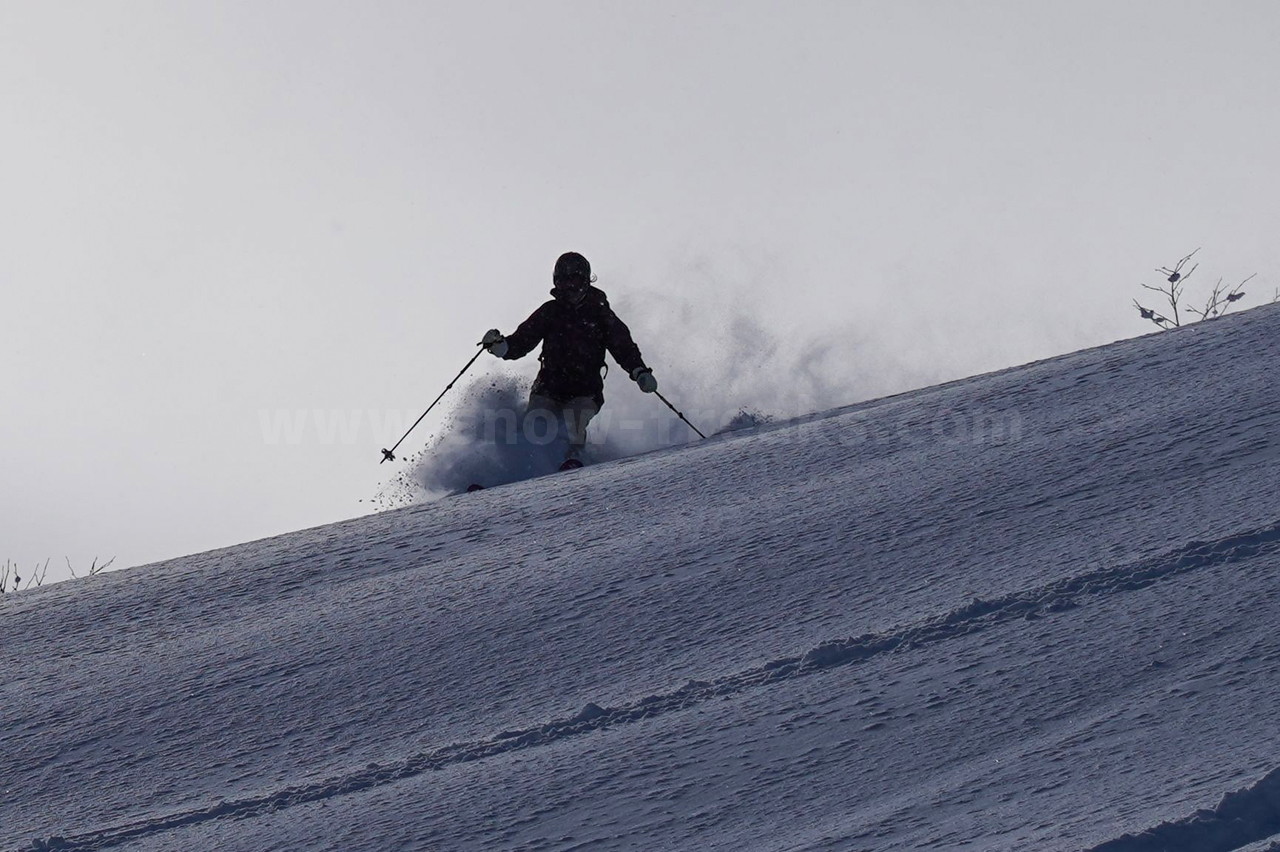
pixel 1175 275
pixel 1236 291
pixel 1236 294
pixel 94 567
pixel 1188 274
pixel 1149 314
pixel 37 575
pixel 1171 295
pixel 1211 306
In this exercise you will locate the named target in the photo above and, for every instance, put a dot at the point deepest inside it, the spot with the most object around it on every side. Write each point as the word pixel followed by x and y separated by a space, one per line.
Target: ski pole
pixel 681 416
pixel 390 455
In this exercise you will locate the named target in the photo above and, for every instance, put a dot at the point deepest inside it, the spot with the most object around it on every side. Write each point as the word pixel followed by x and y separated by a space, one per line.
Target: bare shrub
pixel 1218 303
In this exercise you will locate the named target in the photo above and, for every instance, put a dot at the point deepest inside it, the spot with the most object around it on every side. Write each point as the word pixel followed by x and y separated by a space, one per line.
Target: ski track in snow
pixel 1242 817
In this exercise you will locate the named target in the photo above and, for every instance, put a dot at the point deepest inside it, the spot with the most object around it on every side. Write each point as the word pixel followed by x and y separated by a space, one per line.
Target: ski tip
pixel 474 487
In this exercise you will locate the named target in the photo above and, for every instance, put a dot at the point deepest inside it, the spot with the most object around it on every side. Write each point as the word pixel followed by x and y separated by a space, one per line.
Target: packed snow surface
pixel 1032 610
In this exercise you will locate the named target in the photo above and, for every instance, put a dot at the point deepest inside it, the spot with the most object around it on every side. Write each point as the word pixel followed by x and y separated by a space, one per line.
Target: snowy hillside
pixel 1033 610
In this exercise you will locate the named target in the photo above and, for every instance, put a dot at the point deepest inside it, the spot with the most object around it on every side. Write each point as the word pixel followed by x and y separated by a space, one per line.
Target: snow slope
pixel 1037 609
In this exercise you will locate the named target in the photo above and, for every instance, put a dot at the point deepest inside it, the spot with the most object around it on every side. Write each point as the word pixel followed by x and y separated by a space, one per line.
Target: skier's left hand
pixel 643 377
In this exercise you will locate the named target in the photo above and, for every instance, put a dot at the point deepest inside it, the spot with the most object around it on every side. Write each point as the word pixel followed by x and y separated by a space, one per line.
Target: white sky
pixel 219 213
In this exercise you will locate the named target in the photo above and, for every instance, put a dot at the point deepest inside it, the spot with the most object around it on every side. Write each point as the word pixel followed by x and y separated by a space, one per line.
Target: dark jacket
pixel 574 338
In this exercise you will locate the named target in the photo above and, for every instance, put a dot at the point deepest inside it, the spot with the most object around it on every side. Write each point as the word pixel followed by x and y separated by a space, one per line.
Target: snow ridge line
pixel 1242 817
pixel 977 615
pixel 1057 596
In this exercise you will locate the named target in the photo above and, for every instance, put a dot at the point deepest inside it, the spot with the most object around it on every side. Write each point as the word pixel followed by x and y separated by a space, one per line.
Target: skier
pixel 575 329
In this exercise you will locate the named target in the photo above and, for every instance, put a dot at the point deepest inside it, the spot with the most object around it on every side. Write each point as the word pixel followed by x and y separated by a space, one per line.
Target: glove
pixel 643 377
pixel 494 342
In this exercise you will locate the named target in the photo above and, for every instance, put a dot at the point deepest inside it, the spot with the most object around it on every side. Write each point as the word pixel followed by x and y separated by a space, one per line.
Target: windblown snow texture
pixel 1241 817
pixel 1031 610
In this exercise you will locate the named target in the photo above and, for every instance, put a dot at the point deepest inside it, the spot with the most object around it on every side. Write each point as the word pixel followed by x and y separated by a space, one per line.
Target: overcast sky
pixel 222 217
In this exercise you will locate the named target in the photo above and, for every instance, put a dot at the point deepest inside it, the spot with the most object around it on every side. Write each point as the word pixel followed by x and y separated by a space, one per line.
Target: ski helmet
pixel 571 265
pixel 572 277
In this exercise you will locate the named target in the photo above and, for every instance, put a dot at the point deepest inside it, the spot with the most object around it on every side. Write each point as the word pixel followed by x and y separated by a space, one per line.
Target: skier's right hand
pixel 494 342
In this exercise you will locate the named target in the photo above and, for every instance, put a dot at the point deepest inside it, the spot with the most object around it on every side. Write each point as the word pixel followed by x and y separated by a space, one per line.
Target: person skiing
pixel 575 328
